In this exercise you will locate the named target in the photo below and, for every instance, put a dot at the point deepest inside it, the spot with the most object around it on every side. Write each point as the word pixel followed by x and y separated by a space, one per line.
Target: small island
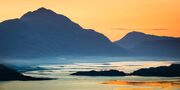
pixel 100 73
pixel 8 74
pixel 164 71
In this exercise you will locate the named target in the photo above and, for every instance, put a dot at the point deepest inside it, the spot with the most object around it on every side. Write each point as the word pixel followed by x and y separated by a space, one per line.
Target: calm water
pixel 61 70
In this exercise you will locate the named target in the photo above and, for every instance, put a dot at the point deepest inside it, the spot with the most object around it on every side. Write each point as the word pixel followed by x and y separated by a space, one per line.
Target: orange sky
pixel 113 18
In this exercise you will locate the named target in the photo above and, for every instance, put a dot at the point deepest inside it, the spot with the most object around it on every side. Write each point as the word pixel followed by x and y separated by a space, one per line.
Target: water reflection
pixel 136 89
pixel 148 85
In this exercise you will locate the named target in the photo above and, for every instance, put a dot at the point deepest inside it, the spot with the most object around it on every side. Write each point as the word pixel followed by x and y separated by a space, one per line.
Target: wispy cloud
pixel 159 29
pixel 120 29
pixel 130 29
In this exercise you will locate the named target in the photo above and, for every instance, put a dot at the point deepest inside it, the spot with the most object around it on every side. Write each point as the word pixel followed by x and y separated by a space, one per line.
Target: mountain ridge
pixel 139 37
pixel 45 33
pixel 150 45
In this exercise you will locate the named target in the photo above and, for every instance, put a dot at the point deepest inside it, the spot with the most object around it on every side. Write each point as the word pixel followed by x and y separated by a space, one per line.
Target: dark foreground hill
pixel 44 33
pixel 167 71
pixel 8 74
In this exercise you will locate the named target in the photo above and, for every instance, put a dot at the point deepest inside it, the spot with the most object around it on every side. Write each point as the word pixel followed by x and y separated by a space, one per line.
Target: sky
pixel 113 18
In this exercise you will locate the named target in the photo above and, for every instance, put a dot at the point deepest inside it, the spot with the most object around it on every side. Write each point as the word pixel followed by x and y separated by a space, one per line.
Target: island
pixel 100 73
pixel 164 71
pixel 8 74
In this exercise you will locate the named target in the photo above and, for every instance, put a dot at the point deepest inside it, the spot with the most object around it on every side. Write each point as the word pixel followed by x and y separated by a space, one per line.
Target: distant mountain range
pixel 44 33
pixel 150 45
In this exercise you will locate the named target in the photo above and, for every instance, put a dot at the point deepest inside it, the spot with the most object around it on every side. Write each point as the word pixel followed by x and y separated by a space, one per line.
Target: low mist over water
pixel 61 68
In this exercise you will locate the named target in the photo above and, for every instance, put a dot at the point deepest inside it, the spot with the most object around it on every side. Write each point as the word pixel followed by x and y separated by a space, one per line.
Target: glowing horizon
pixel 112 18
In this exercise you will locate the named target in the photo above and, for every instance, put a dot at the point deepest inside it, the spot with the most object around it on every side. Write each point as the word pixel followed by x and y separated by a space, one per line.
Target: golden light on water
pixel 135 89
pixel 145 85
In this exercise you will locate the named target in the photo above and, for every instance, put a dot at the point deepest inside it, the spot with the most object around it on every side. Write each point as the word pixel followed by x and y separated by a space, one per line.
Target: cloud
pixel 120 29
pixel 159 29
pixel 130 29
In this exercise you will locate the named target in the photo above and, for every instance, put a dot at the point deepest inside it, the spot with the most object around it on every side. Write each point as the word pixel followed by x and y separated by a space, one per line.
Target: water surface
pixel 61 71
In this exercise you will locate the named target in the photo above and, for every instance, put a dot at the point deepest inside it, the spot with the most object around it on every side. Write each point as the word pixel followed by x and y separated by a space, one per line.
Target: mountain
pixel 133 38
pixel 8 74
pixel 44 33
pixel 150 45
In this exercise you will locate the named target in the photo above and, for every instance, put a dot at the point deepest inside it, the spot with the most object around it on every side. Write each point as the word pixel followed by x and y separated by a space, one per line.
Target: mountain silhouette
pixel 168 71
pixel 100 73
pixel 43 33
pixel 150 45
pixel 8 74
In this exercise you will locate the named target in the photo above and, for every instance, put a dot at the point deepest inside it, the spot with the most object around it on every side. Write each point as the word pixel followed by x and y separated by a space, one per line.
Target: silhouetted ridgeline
pixel 7 74
pixel 163 71
pixel 167 71
pixel 100 73
pixel 43 33
pixel 150 45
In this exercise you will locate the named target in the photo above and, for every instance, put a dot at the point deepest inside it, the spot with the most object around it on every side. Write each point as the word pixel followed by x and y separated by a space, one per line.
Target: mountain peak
pixel 136 33
pixel 44 10
pixel 41 12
